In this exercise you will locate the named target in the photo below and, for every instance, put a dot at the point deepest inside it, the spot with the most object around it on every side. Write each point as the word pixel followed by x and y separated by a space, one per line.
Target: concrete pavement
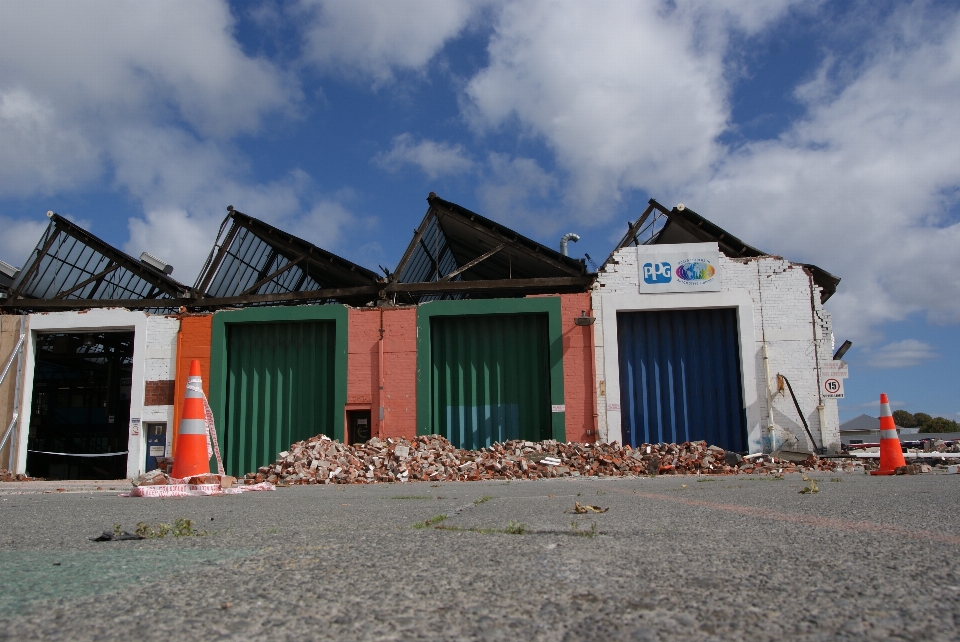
pixel 674 558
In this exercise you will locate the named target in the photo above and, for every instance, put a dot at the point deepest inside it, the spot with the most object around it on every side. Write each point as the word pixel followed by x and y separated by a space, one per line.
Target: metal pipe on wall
pixel 766 362
pixel 380 430
pixel 816 354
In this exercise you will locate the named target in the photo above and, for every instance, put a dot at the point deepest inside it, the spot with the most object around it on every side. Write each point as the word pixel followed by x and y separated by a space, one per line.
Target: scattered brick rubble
pixel 160 478
pixel 7 476
pixel 320 460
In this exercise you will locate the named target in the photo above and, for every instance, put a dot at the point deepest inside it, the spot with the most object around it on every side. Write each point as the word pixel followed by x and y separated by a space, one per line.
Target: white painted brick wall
pixel 161 348
pixel 160 364
pixel 796 335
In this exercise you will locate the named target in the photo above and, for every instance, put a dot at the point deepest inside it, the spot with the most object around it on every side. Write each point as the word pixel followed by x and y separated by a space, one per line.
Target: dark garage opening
pixel 81 406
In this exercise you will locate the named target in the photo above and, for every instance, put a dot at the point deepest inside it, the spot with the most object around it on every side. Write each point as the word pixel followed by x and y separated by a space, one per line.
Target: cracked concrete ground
pixel 674 558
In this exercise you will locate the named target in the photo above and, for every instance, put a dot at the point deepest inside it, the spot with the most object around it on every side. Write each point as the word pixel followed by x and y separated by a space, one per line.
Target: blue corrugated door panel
pixel 490 378
pixel 680 377
pixel 280 380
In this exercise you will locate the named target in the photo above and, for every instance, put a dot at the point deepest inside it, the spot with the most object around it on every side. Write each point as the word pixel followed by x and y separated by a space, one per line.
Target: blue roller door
pixel 680 378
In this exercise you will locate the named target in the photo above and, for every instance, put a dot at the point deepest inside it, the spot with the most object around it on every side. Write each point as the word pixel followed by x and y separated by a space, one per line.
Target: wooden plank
pixel 479 259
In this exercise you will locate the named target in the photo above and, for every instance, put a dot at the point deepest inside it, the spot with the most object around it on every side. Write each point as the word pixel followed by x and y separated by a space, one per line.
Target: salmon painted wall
pixel 193 342
pixel 399 368
pixel 580 400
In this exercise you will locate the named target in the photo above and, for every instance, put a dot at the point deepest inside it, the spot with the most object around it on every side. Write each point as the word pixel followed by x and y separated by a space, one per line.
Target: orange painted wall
pixel 193 342
pixel 399 367
pixel 578 378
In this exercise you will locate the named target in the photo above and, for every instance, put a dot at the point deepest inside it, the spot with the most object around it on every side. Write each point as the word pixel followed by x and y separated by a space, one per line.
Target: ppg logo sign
pixel 655 273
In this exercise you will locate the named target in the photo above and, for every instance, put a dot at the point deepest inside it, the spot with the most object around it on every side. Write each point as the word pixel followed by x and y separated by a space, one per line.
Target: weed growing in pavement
pixel 485 498
pixel 601 492
pixel 516 528
pixel 411 497
pixel 836 479
pixel 436 519
pixel 513 528
pixel 700 481
pixel 590 532
pixel 181 528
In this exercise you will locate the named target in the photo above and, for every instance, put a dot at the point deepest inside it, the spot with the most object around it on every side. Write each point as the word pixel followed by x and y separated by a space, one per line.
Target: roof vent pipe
pixel 563 241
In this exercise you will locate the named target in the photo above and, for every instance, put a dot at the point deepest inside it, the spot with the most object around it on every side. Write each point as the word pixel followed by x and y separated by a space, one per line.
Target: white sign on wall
pixel 832 374
pixel 685 267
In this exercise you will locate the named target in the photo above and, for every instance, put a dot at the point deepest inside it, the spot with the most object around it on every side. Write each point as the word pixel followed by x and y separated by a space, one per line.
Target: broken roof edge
pixel 310 247
pixel 731 246
pixel 575 266
pixel 58 223
pixel 272 236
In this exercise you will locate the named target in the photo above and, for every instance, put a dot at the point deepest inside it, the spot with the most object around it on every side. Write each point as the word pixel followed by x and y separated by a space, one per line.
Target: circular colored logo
pixel 695 271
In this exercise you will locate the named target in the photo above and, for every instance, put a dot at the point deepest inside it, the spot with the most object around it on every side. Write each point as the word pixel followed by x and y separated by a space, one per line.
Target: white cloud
pixel 175 237
pixel 433 158
pixel 627 95
pixel 902 354
pixel 119 58
pixel 203 178
pixel 374 39
pixel 635 96
pixel 20 237
pixel 146 97
pixel 38 153
pixel 862 184
pixel 512 190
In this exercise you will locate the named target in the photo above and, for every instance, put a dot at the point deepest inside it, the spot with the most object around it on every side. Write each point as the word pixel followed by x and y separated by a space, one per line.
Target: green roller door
pixel 490 378
pixel 280 389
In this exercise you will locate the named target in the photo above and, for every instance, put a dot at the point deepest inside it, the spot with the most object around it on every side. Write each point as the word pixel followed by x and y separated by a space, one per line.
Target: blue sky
pixel 826 132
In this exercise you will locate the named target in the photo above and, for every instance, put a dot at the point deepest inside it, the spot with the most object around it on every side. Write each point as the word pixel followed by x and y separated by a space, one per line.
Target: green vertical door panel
pixel 490 378
pixel 280 389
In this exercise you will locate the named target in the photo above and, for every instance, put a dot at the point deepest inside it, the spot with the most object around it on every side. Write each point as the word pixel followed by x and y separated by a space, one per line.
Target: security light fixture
pixel 583 319
pixel 154 262
pixel 843 350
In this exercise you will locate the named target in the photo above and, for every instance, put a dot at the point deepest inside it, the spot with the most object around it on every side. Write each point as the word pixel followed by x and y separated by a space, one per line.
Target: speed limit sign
pixel 833 388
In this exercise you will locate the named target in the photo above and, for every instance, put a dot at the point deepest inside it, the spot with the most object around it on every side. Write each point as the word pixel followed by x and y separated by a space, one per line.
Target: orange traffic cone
pixel 891 454
pixel 191 457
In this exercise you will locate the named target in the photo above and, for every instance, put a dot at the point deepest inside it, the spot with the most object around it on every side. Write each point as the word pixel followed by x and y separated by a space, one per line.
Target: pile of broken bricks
pixel 320 460
pixel 8 476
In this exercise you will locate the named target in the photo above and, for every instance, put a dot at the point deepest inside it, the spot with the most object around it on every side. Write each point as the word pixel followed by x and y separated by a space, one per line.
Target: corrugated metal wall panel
pixel 490 378
pixel 680 377
pixel 280 389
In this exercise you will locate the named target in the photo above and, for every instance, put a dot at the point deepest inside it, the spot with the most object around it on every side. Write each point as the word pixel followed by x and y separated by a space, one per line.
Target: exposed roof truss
pixel 253 261
pixel 70 264
pixel 454 245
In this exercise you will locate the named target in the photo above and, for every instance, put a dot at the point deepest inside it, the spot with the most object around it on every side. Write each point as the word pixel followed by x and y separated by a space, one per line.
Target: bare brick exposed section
pixel 159 393
pixel 399 398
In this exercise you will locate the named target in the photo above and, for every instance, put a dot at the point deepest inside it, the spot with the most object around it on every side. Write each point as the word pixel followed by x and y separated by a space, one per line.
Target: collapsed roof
pixel 660 226
pixel 457 253
pixel 69 264
pixel 256 263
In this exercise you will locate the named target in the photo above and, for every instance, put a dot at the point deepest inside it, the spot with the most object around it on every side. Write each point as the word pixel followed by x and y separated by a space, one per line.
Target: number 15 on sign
pixel 832 388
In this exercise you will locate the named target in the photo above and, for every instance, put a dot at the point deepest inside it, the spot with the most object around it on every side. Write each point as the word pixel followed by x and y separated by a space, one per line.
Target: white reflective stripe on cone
pixel 193 427
pixel 885 410
pixel 885 434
